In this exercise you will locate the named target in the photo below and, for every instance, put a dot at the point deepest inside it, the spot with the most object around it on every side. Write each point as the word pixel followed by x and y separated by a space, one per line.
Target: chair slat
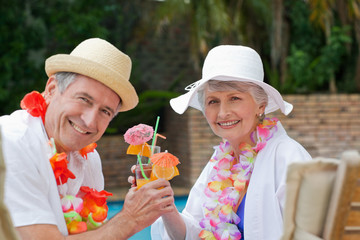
pixel 356 197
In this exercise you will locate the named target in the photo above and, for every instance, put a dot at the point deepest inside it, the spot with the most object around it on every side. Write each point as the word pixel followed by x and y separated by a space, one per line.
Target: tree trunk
pixel 277 25
pixel 357 71
pixel 284 51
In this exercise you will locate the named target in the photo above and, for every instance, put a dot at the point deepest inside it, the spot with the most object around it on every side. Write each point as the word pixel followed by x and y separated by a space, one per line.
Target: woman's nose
pixel 224 110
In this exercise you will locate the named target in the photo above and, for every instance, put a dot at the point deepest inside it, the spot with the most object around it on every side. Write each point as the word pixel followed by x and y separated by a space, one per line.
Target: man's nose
pixel 90 117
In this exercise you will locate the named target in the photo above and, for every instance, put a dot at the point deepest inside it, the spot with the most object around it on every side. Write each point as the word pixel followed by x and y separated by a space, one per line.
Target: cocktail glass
pixel 143 169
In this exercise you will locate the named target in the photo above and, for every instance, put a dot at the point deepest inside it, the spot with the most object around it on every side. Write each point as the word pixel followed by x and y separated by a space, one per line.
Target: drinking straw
pixel 154 136
pixel 141 167
pixel 158 135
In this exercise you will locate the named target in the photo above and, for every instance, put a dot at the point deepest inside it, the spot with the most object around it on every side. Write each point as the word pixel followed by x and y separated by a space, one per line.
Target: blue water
pixel 115 207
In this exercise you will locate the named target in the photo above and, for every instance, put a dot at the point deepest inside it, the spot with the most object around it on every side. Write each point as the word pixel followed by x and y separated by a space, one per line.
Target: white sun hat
pixel 100 60
pixel 231 63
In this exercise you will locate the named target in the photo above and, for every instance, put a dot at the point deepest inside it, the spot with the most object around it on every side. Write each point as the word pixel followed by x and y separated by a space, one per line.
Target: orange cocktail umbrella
pixel 164 159
pixel 164 165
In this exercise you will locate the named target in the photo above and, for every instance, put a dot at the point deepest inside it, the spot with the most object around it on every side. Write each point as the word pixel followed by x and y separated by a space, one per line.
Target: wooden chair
pixel 322 199
pixel 7 230
pixel 352 227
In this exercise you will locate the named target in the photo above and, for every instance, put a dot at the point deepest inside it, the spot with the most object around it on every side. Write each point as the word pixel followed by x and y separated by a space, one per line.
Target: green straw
pixel 154 136
pixel 141 167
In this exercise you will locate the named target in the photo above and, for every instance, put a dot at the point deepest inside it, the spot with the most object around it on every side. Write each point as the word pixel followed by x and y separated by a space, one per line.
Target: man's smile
pixel 77 128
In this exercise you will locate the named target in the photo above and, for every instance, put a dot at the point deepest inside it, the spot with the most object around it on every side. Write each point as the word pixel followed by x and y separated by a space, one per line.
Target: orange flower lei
pixel 88 209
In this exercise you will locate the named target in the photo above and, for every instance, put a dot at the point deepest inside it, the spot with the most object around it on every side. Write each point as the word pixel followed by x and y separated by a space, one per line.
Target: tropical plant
pixel 207 20
pixel 35 30
pixel 278 32
pixel 311 74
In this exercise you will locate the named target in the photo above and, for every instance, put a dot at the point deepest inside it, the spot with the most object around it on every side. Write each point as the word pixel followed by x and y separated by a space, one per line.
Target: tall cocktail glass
pixel 143 169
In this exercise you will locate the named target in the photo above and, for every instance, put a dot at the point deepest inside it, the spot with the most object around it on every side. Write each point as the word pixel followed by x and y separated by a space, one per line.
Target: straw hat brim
pixel 99 72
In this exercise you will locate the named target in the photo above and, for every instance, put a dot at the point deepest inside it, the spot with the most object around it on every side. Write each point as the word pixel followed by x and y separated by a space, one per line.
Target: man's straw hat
pixel 231 63
pixel 100 60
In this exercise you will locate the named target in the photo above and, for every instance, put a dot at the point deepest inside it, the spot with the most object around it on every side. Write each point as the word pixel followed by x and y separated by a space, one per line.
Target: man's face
pixel 80 115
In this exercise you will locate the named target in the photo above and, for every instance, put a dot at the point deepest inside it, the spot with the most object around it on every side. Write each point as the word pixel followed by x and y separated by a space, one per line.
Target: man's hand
pixel 143 206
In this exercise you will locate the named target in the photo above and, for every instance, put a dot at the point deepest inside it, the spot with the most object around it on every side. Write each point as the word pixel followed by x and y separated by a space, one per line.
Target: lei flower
pixel 88 209
pixel 228 184
pixel 35 104
pixel 59 166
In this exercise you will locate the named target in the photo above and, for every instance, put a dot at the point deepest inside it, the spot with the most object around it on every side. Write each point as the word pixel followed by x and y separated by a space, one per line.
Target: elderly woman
pixel 240 192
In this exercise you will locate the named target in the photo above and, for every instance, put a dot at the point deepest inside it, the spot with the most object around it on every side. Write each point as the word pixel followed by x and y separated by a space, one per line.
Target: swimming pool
pixel 115 207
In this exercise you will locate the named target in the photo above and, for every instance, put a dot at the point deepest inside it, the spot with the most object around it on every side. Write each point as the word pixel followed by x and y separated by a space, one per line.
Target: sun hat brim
pixel 99 72
pixel 275 101
pixel 231 63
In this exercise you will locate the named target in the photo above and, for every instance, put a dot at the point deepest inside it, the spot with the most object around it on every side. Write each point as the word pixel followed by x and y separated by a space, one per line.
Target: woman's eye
pixel 211 102
pixel 235 98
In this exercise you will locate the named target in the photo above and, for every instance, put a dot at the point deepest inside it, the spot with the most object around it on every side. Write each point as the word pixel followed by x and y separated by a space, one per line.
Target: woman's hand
pixel 131 178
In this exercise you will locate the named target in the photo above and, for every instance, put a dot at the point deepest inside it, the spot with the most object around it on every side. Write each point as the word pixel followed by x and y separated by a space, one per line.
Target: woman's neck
pixel 249 140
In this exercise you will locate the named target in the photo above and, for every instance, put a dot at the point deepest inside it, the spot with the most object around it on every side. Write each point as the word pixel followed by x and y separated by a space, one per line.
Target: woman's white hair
pixel 257 92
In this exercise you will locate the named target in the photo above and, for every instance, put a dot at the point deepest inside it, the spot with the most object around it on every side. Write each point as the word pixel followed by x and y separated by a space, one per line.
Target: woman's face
pixel 232 115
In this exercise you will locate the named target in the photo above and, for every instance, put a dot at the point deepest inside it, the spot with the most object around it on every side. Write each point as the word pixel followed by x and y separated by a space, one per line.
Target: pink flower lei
pixel 229 182
pixel 88 209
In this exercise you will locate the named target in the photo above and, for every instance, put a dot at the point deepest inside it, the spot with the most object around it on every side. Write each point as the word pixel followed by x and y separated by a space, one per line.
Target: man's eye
pixel 84 99
pixel 211 102
pixel 107 113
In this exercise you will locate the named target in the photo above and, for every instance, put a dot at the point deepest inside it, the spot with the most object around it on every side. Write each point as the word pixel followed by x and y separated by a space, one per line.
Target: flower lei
pixel 88 209
pixel 228 184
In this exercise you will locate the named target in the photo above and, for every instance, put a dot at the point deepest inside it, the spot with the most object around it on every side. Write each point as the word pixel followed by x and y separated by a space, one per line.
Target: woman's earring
pixel 261 117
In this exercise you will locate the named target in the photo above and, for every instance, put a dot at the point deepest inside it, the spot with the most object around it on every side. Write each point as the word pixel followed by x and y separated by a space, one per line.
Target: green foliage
pixel 151 104
pixel 36 29
pixel 311 73
pixel 18 67
pixel 303 34
pixel 33 30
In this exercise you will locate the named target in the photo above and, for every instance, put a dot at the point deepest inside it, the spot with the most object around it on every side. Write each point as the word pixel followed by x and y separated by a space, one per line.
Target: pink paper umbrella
pixel 138 134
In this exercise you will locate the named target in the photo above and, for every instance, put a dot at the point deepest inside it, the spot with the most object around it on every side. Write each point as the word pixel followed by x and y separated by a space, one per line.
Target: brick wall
pixel 325 125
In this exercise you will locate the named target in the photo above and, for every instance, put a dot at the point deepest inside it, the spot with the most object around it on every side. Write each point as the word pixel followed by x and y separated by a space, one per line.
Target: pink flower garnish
pixel 139 134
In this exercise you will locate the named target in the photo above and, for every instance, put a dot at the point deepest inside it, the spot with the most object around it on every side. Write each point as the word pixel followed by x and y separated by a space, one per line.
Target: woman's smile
pixel 228 124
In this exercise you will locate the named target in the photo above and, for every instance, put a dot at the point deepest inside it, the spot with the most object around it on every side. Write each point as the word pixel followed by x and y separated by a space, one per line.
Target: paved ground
pixel 119 193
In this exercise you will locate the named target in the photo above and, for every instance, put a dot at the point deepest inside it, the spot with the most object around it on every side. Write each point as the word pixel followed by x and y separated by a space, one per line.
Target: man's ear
pixel 50 89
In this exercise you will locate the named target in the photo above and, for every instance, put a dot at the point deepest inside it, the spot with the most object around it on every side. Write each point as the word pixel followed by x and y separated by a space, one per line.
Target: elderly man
pixel 54 185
